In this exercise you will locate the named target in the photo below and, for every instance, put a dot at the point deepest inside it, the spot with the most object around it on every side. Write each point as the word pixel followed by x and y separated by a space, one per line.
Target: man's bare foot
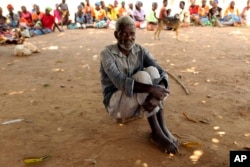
pixel 165 144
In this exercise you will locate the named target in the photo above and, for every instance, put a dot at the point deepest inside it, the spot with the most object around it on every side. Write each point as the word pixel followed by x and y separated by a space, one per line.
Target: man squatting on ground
pixel 132 82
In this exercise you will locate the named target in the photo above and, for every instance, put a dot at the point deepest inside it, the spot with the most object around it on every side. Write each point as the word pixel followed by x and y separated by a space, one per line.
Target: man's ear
pixel 116 34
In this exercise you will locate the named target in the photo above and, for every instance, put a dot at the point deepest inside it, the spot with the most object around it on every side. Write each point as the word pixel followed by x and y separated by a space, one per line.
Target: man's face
pixel 192 2
pixel 126 37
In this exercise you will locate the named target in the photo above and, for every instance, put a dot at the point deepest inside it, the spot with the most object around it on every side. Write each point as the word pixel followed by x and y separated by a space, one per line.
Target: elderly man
pixel 133 82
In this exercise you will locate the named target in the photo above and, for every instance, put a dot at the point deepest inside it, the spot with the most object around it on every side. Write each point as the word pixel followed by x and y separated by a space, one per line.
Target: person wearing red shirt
pixel 194 13
pixel 48 21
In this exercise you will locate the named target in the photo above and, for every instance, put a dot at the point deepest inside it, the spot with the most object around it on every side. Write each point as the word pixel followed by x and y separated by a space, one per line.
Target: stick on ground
pixel 177 80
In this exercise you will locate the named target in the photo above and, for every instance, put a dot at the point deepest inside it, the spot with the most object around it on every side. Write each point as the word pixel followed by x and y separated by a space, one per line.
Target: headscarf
pixel 49 9
pixel 216 1
pixel 98 3
pixel 9 6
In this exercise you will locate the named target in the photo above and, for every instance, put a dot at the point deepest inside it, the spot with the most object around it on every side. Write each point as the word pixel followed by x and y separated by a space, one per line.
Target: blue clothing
pixel 117 70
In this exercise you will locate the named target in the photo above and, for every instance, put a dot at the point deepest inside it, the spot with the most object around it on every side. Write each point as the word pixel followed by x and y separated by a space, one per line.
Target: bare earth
pixel 58 94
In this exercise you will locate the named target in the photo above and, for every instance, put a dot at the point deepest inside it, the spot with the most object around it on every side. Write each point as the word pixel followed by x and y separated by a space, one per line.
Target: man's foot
pixel 165 144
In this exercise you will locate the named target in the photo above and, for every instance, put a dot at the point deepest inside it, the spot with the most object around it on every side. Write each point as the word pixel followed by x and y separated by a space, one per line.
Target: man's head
pixel 182 4
pixel 63 1
pixel 125 33
pixel 248 3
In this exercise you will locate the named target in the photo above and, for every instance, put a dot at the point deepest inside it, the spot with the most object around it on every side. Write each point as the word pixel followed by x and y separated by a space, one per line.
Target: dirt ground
pixel 58 94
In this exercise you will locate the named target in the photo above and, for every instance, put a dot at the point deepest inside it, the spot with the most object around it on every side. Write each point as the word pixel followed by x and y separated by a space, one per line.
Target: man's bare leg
pixel 159 136
pixel 162 123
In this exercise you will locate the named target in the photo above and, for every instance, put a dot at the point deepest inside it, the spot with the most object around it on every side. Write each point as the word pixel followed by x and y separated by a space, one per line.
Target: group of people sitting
pixel 24 23
pixel 17 26
pixel 205 15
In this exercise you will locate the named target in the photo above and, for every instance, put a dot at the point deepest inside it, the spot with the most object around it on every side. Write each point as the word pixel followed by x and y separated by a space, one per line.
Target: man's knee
pixel 143 77
pixel 153 72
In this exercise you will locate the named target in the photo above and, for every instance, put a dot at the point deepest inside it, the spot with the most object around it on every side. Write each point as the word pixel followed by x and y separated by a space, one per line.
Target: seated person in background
pixel 58 16
pixel 122 10
pixel 27 18
pixel 104 7
pixel 3 25
pixel 139 15
pixel 163 11
pixel 6 34
pixel 100 19
pixel 130 10
pixel 46 25
pixel 112 16
pixel 194 13
pixel 215 16
pixel 203 13
pixel 89 11
pixel 184 15
pixel 151 18
pixel 245 15
pixel 232 14
pixel 37 15
pixel 12 18
pixel 80 17
pixel 65 12
pixel 133 82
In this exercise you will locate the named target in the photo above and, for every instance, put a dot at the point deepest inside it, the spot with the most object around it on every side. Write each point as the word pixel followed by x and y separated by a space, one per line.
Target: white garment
pixel 121 106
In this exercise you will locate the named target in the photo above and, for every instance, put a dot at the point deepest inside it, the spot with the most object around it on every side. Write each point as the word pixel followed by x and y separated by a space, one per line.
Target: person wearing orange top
pixel 37 15
pixel 89 11
pixel 122 11
pixel 232 14
pixel 203 13
pixel 100 19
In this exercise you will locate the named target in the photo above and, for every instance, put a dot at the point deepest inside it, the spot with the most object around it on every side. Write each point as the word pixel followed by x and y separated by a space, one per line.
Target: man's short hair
pixel 123 21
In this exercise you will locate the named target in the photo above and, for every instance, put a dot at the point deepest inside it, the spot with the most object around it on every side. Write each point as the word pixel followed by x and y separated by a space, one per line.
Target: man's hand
pixel 150 103
pixel 159 92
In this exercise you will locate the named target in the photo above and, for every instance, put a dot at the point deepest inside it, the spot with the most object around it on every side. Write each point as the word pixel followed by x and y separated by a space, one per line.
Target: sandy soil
pixel 57 93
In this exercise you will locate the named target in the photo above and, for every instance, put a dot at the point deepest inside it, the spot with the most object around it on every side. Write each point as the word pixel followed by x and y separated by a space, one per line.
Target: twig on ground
pixel 178 81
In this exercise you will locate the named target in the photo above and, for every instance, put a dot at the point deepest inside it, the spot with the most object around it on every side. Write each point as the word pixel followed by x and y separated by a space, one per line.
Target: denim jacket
pixel 117 70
